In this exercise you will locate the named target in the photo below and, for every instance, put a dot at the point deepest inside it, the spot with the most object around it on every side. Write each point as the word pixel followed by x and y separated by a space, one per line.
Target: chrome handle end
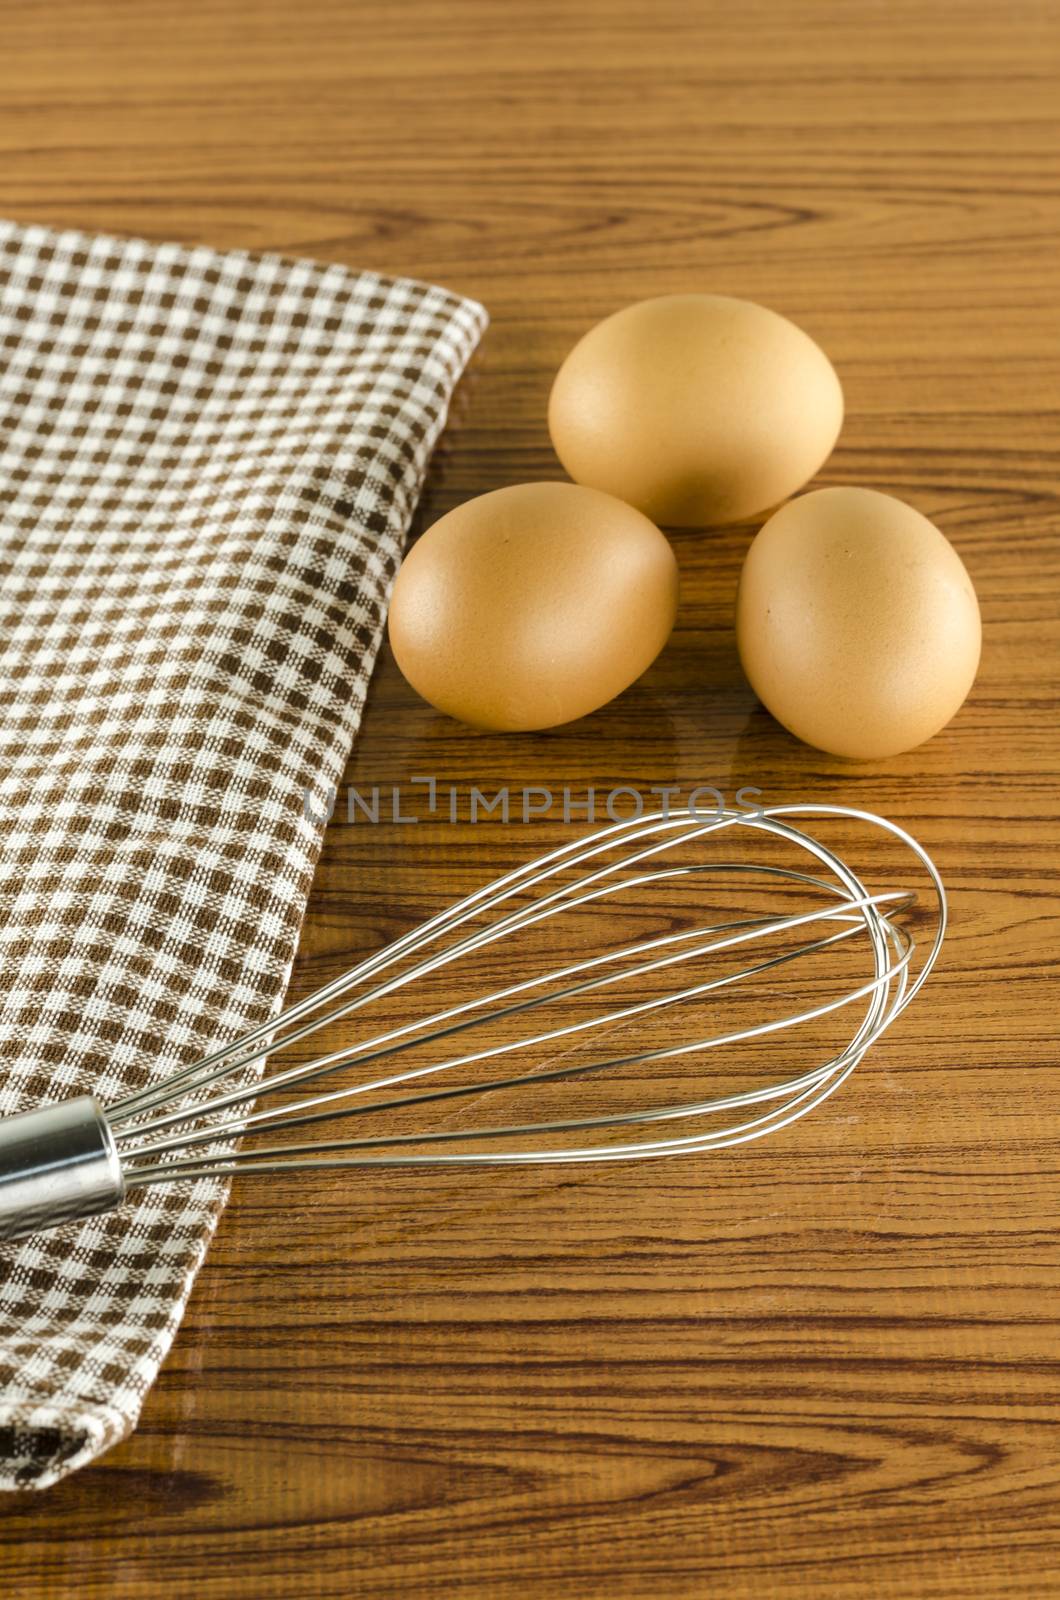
pixel 57 1164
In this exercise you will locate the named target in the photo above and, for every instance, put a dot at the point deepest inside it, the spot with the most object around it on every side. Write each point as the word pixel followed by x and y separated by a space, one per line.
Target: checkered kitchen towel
pixel 207 467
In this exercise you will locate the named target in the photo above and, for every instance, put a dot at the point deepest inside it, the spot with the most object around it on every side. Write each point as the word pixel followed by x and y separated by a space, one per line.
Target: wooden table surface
pixel 825 1365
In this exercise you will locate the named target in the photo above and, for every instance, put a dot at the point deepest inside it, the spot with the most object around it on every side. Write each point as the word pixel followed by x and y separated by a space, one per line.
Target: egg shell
pixel 533 605
pixel 698 409
pixel 857 623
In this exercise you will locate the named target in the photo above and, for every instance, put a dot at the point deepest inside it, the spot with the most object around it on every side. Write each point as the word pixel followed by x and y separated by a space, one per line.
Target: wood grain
pixel 823 1366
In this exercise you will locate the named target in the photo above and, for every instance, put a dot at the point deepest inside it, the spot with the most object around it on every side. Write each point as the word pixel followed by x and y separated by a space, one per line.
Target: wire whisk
pixel 221 1114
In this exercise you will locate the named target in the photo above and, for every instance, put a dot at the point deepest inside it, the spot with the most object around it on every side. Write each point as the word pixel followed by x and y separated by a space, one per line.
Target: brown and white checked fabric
pixel 207 466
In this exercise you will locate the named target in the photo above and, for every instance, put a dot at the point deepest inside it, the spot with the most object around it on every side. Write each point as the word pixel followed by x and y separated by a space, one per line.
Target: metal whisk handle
pixel 57 1164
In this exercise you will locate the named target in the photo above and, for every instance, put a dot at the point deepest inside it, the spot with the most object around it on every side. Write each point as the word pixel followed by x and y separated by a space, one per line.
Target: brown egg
pixel 857 623
pixel 695 408
pixel 532 605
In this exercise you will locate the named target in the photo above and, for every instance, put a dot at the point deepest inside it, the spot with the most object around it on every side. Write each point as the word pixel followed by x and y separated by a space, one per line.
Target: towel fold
pixel 208 464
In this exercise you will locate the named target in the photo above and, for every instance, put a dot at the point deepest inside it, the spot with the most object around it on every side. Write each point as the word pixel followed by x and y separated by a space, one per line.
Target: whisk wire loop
pixel 649 837
pixel 187 1126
